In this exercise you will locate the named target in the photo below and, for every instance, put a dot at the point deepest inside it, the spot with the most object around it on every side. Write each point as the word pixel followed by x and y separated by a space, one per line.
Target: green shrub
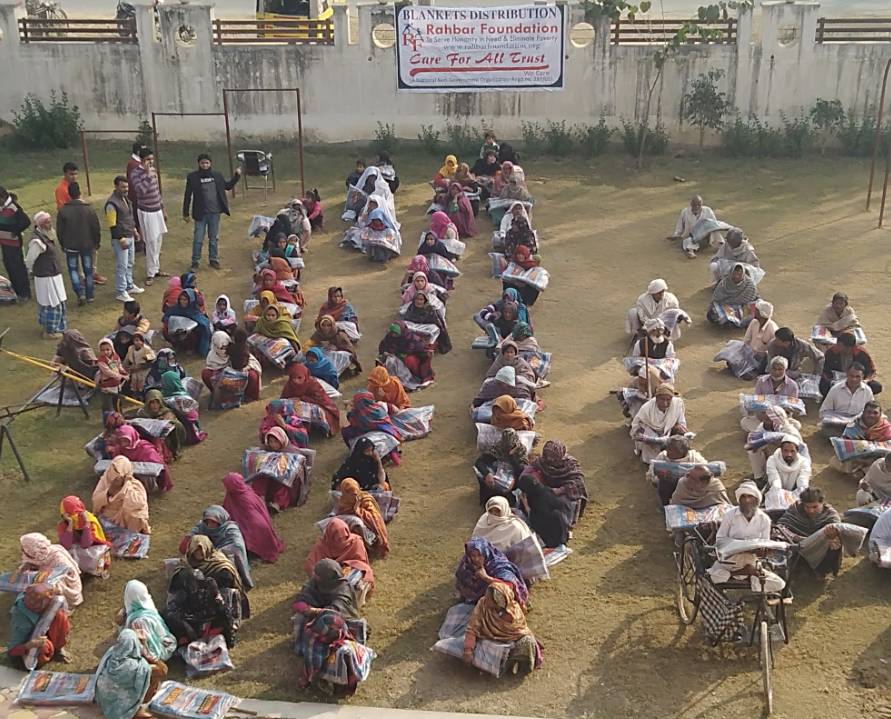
pixel 145 136
pixel 856 137
pixel 558 138
pixel 798 135
pixel 593 139
pixel 384 138
pixel 39 126
pixel 535 139
pixel 464 141
pixel 826 116
pixel 430 139
pixel 632 135
pixel 752 138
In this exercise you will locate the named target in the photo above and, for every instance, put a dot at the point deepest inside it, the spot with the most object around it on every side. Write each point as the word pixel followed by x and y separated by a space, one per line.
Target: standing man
pixel 132 164
pixel 208 188
pixel 120 219
pixel 151 213
pixel 13 222
pixel 79 235
pixel 69 175
pixel 42 261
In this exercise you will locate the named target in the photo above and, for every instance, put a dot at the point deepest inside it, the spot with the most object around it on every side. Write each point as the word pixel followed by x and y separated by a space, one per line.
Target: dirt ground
pixel 613 644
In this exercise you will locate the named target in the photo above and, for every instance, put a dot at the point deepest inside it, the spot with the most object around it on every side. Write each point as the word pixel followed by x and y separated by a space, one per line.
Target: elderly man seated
pixel 776 381
pixel 816 528
pixel 654 344
pixel 659 417
pixel 842 355
pixel 776 421
pixel 677 449
pixel 876 483
pixel 736 248
pixel 838 316
pixel 743 522
pixel 787 469
pixel 687 221
pixel 656 303
pixel 796 351
pixel 846 399
pixel 699 489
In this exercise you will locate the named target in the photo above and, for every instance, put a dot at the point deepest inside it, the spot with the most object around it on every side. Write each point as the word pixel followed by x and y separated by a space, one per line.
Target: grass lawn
pixel 613 645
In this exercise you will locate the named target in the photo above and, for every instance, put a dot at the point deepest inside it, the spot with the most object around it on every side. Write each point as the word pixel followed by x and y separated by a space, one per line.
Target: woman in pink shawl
pixel 460 211
pixel 249 512
pixel 123 439
pixel 440 225
pixel 40 554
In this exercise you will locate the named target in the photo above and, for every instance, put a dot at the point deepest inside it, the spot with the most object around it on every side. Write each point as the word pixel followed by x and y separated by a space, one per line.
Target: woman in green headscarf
pixel 124 679
pixel 140 615
pixel 275 323
pixel 156 409
pixel 183 406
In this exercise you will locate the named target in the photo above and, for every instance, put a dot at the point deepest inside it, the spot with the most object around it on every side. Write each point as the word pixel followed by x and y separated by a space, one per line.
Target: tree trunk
pixel 645 125
pixel 701 137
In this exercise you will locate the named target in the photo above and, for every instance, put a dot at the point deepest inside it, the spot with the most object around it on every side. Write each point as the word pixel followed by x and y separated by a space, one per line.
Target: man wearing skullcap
pixel 42 260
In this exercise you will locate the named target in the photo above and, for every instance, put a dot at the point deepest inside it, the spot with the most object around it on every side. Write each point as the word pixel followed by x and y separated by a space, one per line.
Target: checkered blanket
pixel 677 516
pixel 675 470
pixel 488 436
pixel 356 525
pixel 529 558
pixel 483 413
pixel 539 361
pixel 42 688
pixel 668 367
pixel 185 702
pixel 386 239
pixel 536 277
pixel 283 467
pixel 310 413
pixel 413 422
pixel 834 422
pixel 822 335
pixel 846 449
pixel 722 618
pixel 124 543
pixel 277 350
pixel 349 661
pixel 757 403
pixel 384 443
pixel 735 315
pixel 386 502
pixel 488 656
pixel 809 386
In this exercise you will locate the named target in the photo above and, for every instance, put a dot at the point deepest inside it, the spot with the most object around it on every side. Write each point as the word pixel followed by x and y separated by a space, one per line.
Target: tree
pixel 705 106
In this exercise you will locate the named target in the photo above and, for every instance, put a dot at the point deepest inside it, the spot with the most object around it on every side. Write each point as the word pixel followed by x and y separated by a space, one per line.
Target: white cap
pixel 655 286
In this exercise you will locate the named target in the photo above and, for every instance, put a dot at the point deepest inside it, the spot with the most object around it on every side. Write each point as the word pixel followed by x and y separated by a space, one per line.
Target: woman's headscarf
pixel 152 398
pixel 328 589
pixel 73 509
pixel 437 248
pixel 340 544
pixel 249 512
pixel 439 224
pixel 341 311
pixel 129 507
pixel 279 435
pixel 512 294
pixel 278 290
pixel 557 468
pixel 499 525
pixel 171 292
pixel 418 263
pixel 730 293
pixel 76 353
pixel 226 317
pixel 510 448
pixel 226 535
pixel 279 327
pixel 429 314
pixel 323 368
pixel 193 312
pixel 506 413
pixel 122 678
pixel 358 466
pixel 303 386
pixel 165 360
pixel 369 415
pixel 218 357
pixel 400 340
pixel 521 331
pixel 142 617
pixel 172 385
pixel 508 220
pixel 213 560
pixel 449 166
pixel 409 294
pixel 498 616
pixel 471 587
pixel 281 266
pixel 386 388
pixel 38 551
pixel 521 367
pixel 361 504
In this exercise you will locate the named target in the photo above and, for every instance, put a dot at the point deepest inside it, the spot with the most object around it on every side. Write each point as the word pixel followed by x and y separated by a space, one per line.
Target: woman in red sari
pixel 123 439
pixel 339 307
pixel 303 386
pixel 460 211
pixel 270 283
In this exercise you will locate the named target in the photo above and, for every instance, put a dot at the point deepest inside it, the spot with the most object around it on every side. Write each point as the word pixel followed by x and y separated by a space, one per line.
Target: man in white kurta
pixel 687 220
pixel 42 260
pixel 654 304
pixel 847 398
pixel 787 469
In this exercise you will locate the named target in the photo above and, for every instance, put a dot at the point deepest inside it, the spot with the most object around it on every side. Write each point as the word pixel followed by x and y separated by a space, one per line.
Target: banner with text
pixel 466 49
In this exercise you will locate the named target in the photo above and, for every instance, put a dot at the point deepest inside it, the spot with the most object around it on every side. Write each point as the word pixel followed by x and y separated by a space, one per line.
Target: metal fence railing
pixel 652 32
pixel 32 29
pixel 251 32
pixel 851 29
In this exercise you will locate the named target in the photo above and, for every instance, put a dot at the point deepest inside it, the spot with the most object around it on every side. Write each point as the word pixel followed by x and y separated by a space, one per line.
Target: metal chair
pixel 256 163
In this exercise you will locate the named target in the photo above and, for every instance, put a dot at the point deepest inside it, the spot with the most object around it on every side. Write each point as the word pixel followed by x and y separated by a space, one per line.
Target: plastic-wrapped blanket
pixel 206 657
pixel 483 413
pixel 822 335
pixel 384 443
pixel 488 436
pixel 535 277
pixel 413 422
pixel 42 688
pixel 286 468
pixel 756 403
pixel 488 656
pixel 668 367
pixel 733 315
pixel 309 413
pixel 124 543
pixel 846 449
pixel 675 470
pixel 739 358
pixel 386 502
pixel 679 516
pixel 276 350
pixel 179 701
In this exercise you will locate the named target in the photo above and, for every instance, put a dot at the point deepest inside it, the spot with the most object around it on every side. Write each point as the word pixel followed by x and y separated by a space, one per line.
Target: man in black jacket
pixel 13 222
pixel 77 227
pixel 208 188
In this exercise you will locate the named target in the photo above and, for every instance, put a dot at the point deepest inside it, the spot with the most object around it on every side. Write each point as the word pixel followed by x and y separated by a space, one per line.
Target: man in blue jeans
pixel 206 193
pixel 119 216
pixel 78 230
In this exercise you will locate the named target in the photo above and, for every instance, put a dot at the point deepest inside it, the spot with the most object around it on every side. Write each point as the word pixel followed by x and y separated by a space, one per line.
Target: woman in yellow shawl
pixel 386 388
pixel 498 617
pixel 275 323
pixel 506 413
pixel 121 498
pixel 446 172
pixel 214 564
pixel 78 528
pixel 266 298
pixel 361 504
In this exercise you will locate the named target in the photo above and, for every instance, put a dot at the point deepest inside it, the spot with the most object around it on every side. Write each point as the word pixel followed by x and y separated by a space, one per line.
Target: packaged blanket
pixel 483 413
pixel 413 422
pixel 809 387
pixel 41 628
pixel 352 238
pixel 284 467
pixel 387 240
pixel 183 702
pixel 307 412
pixel 756 403
pixel 734 315
pixel 555 555
pixel 276 350
pixel 539 361
pixel 846 449
pixel 356 525
pixel 675 470
pixel 339 358
pixel 384 443
pixel 94 560
pixel 352 330
pixel 151 428
pixel 502 475
pixel 329 390
pixel 206 657
pixel 180 325
pixel 867 515
pixel 760 438
pixel 706 226
pixel 50 396
pixel 678 516
pixel 124 543
pixel 739 358
pixel 428 332
pixel 443 265
pixel 535 277
pixel 18 580
pixel 260 225
pixel 349 662
pixel 182 404
pixel 820 334
pixel 778 500
pixel 499 264
pixel 648 436
pixel 7 294
pixel 386 502
pixel 834 423
pixel 145 472
pixel 42 688
pixel 668 367
pixel 488 436
pixel 488 656
pixel 229 388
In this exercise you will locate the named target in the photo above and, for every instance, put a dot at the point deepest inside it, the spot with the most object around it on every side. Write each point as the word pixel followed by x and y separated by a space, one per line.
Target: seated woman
pixel 735 248
pixel 171 293
pixel 270 283
pixel 249 512
pixel 661 416
pixel 460 211
pixel 165 361
pixel 364 465
pixel 140 615
pixel 321 367
pixel 329 336
pixel 482 565
pixel 196 608
pixel 698 489
pixel 278 496
pixel 78 527
pixel 275 323
pixel 512 189
pixel 264 299
pixel 422 312
pixel 241 359
pixel 504 382
pixel 41 555
pixel 348 550
pixel 171 445
pixel 187 306
pixel 414 351
pixel 655 343
pixel 223 317
pixel 172 390
pixel 217 358
pixel 338 307
pixel 189 281
pixel 225 534
pixel 381 239
pixel 420 264
pixel 322 637
pixel 355 502
pixel 507 415
pixel 302 386
pixel 520 235
pixel 122 439
pixel 125 679
pixel 736 290
pixel 75 353
pixel 213 564
pixel 420 283
pixel 507 457
pixel 500 318
pixel 443 227
pixel 499 617
pixel 446 172
pixel 509 356
pixel 431 245
pixel 27 609
pixel 821 537
pixel 368 415
pixel 500 526
pixel 838 316
pixel 549 514
pixel 775 420
pixel 522 335
pixel 278 415
pixel 559 470
pixel 516 216
pixel 386 388
pixel 369 182
pixel 121 498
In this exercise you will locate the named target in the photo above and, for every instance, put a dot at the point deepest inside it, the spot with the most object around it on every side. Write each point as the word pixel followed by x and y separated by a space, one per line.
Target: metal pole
pixel 83 148
pixel 155 149
pixel 875 147
pixel 228 135
pixel 885 186
pixel 300 140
